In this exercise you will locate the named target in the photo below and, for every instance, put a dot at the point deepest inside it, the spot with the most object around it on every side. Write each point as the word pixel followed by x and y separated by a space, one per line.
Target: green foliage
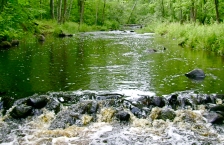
pixel 195 36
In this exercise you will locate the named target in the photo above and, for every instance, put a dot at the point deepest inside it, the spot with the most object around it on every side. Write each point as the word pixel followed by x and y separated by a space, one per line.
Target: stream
pixel 123 65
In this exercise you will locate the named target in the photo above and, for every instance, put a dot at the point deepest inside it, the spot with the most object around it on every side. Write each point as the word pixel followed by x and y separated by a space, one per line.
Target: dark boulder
pixel 64 119
pixel 21 111
pixel 62 35
pixel 1 105
pixel 73 114
pixel 217 108
pixel 185 102
pixel 167 113
pixel 214 118
pixel 5 44
pixel 38 102
pixel 158 101
pixel 196 74
pixel 88 107
pixel 173 102
pixel 136 111
pixel 123 116
pixel 53 105
pixel 15 42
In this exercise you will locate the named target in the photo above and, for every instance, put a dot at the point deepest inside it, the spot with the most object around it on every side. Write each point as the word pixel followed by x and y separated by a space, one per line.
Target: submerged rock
pixel 38 102
pixel 196 74
pixel 217 108
pixel 15 42
pixel 158 101
pixel 214 118
pixel 173 102
pixel 21 111
pixel 54 105
pixel 136 111
pixel 5 44
pixel 123 116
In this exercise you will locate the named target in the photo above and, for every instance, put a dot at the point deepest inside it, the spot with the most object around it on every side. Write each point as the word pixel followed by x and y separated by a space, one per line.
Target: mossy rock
pixel 5 44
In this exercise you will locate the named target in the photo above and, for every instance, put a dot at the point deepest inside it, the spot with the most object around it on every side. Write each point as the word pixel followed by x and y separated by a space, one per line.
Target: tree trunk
pixel 59 10
pixel 132 11
pixel 97 7
pixel 41 8
pixel 52 8
pixel 193 13
pixel 217 10
pixel 70 8
pixel 81 11
pixel 162 7
pixel 2 4
pixel 64 11
pixel 104 7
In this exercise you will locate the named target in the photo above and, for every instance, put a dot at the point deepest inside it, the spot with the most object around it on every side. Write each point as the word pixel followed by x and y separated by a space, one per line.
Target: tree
pixel 52 8
pixel 217 10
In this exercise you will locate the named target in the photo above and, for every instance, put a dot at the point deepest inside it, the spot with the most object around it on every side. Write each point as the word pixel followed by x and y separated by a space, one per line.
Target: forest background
pixel 197 24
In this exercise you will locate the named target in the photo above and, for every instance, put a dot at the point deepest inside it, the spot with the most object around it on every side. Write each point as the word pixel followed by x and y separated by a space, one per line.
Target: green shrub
pixel 208 37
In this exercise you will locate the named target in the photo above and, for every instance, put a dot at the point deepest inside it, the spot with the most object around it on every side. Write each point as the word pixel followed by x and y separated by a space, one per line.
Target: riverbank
pixel 191 35
pixel 195 36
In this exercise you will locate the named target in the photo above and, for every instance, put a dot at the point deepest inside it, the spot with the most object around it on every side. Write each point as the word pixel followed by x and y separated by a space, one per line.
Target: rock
pixel 196 74
pixel 167 113
pixel 21 111
pixel 185 102
pixel 158 101
pixel 62 35
pixel 88 107
pixel 217 108
pixel 15 42
pixel 54 105
pixel 5 44
pixel 74 115
pixel 94 107
pixel 214 118
pixel 136 111
pixel 173 102
pixel 123 116
pixel 38 102
pixel 41 38
pixel 1 105
pixel 151 50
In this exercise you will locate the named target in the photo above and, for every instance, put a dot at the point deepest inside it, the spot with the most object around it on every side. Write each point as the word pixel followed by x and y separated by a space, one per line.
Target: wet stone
pixel 217 108
pixel 21 111
pixel 196 74
pixel 214 118
pixel 38 102
pixel 136 111
pixel 159 101
pixel 123 116
pixel 53 105
pixel 173 102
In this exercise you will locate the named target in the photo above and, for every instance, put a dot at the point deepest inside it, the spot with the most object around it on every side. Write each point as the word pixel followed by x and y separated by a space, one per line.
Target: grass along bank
pixel 195 36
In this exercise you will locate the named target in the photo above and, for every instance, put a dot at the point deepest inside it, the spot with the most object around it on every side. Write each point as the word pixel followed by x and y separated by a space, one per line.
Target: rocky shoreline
pixel 82 109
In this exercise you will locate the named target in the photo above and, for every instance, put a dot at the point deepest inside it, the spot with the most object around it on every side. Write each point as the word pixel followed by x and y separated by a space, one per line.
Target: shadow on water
pixel 106 61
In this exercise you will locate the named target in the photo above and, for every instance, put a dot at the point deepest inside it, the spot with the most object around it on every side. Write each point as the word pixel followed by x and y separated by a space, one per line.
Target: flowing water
pixel 116 61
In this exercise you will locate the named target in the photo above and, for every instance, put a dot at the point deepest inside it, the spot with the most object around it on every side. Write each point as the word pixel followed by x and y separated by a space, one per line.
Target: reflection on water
pixel 106 61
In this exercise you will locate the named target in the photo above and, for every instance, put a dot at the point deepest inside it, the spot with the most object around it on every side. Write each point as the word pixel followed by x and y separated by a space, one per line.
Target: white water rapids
pixel 189 127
